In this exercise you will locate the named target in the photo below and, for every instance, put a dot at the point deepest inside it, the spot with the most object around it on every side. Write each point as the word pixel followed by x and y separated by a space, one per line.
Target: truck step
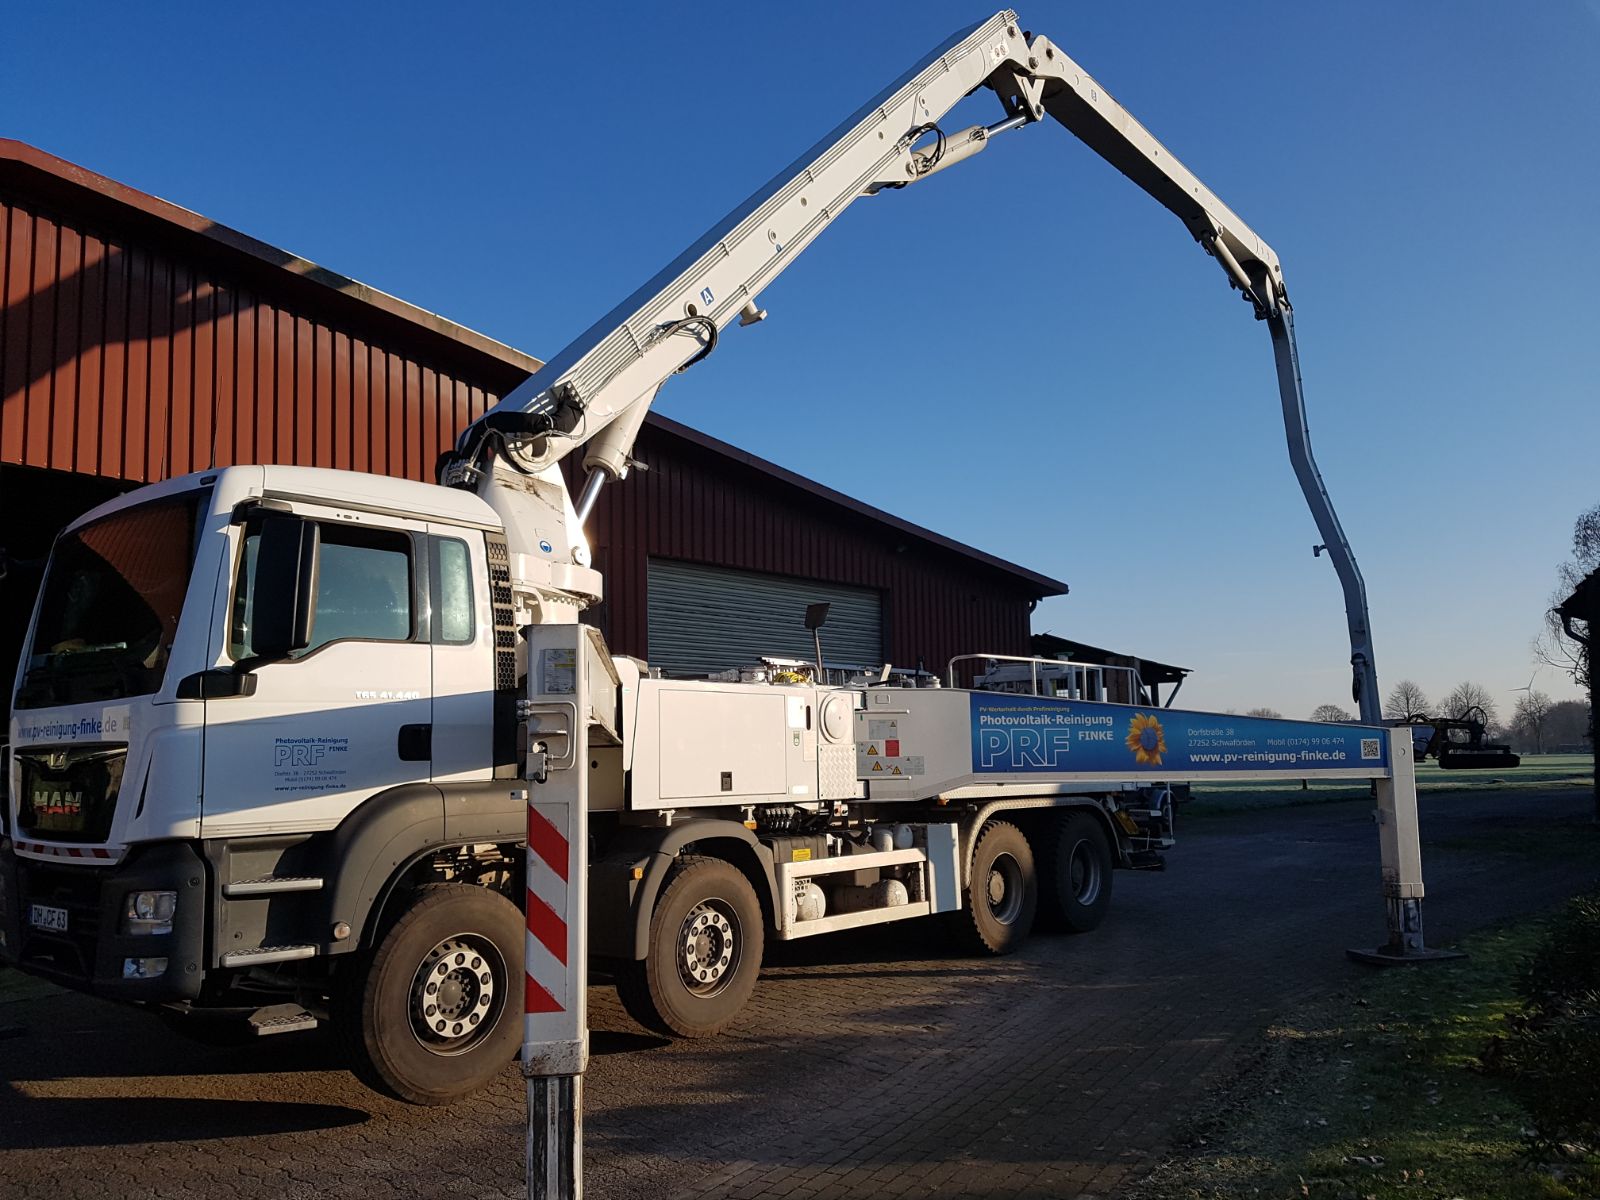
pixel 281 1018
pixel 1147 860
pixel 271 885
pixel 262 955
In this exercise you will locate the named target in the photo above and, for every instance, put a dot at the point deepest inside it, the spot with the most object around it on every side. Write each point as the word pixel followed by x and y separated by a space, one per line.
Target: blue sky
pixel 1026 353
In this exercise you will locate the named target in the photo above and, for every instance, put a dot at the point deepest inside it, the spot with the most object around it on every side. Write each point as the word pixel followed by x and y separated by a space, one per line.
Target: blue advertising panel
pixel 1012 734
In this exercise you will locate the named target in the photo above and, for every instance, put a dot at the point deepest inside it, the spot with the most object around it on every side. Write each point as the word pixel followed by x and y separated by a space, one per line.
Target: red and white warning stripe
pixel 107 854
pixel 549 856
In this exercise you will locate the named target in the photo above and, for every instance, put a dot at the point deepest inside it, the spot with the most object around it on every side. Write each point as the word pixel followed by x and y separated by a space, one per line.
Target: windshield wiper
pixel 103 646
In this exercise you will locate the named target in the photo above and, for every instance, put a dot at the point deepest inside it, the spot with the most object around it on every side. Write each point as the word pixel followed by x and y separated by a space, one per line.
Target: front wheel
pixel 706 942
pixel 429 1014
pixel 1001 895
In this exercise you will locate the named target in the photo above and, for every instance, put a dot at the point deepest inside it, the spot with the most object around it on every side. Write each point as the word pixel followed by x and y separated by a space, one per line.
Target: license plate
pixel 43 916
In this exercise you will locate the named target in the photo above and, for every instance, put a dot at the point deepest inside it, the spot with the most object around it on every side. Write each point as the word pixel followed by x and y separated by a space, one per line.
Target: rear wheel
pixel 429 1013
pixel 1001 895
pixel 706 942
pixel 1082 873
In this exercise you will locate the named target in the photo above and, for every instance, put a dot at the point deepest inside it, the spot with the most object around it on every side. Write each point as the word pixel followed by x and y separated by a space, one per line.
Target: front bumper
pixel 89 954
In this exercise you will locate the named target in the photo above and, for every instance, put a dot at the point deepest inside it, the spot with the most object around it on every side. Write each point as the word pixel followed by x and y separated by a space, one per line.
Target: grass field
pixel 1537 771
pixel 1379 1095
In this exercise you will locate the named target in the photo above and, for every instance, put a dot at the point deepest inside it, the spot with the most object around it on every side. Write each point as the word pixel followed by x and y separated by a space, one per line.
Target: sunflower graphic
pixel 1147 740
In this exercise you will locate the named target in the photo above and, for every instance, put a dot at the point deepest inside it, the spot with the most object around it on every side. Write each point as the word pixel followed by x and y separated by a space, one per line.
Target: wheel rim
pixel 457 994
pixel 709 947
pixel 1083 872
pixel 1005 892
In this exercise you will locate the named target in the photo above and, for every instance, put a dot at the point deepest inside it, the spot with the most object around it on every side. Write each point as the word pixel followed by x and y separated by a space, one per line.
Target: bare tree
pixel 1406 699
pixel 1262 712
pixel 1467 695
pixel 1330 712
pixel 1555 646
pixel 1586 539
pixel 1531 717
pixel 1555 649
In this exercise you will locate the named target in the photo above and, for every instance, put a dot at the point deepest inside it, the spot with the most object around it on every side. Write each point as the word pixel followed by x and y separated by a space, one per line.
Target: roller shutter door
pixel 704 619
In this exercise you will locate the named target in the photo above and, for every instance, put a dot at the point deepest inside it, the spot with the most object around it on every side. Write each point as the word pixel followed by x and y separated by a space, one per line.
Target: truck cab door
pixel 344 718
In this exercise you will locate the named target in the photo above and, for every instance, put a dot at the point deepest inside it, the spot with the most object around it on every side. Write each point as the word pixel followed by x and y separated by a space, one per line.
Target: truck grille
pixel 69 793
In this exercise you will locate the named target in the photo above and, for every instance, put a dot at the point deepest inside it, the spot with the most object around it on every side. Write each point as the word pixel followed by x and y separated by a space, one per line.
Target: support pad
pixel 1406 945
pixel 1388 956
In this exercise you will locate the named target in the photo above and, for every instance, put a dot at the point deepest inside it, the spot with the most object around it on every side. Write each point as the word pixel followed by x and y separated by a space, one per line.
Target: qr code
pixel 1369 748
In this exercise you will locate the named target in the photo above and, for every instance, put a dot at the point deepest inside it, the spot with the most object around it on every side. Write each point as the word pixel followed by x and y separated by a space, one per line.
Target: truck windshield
pixel 110 604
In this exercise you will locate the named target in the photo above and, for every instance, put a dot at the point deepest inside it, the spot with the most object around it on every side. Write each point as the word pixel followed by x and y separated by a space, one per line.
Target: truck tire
pixel 706 941
pixel 1001 895
pixel 1082 873
pixel 429 1014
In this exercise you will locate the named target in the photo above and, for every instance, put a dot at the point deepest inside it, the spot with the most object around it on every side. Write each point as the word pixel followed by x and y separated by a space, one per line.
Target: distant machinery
pixel 1459 743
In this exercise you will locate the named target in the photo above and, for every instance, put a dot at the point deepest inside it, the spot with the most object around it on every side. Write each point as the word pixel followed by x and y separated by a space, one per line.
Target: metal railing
pixel 1085 681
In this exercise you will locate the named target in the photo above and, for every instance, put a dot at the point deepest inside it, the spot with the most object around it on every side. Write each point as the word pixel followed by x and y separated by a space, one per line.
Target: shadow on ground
pixel 34 1123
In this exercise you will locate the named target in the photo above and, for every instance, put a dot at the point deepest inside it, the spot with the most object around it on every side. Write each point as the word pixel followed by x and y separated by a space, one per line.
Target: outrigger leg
pixel 1401 852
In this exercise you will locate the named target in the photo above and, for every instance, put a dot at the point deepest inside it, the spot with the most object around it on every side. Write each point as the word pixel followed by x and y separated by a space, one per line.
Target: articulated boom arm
pixel 596 392
pixel 1070 95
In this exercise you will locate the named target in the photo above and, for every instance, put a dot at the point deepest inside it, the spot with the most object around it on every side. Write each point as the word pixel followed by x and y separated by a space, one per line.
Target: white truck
pixel 271 726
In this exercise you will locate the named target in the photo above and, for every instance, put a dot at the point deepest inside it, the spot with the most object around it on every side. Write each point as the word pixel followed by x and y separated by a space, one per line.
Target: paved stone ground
pixel 874 1064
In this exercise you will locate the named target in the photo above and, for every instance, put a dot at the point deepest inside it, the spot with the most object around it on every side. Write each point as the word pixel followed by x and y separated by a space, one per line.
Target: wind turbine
pixel 1538 730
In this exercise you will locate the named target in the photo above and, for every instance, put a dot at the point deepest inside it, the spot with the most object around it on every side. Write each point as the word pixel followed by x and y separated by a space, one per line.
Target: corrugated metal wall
pixel 696 507
pixel 707 618
pixel 119 359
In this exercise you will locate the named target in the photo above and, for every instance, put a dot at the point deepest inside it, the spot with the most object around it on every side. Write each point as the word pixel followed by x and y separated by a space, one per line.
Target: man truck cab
pixel 189 714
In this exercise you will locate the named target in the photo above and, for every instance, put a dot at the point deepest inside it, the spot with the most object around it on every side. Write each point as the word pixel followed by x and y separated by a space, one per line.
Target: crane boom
pixel 613 369
pixel 595 393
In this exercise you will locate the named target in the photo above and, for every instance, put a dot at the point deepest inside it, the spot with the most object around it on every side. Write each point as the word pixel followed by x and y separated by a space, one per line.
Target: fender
pixel 373 846
pixel 369 849
pixel 620 907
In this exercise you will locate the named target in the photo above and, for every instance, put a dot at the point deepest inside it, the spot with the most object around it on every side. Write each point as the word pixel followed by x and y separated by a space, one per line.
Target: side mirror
pixel 285 593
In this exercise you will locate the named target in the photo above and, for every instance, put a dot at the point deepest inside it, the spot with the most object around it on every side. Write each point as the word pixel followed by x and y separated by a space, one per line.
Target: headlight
pixel 143 968
pixel 149 912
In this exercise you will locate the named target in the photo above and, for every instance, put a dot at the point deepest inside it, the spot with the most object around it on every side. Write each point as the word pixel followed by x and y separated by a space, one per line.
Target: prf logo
pixel 297 754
